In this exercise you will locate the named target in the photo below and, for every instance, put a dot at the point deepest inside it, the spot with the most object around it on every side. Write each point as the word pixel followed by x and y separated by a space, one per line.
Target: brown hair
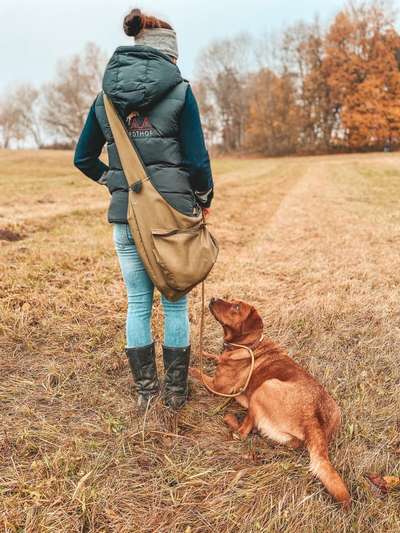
pixel 136 21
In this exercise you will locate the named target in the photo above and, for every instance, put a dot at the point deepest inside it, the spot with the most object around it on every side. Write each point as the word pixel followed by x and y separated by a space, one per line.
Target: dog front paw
pixel 195 373
pixel 211 356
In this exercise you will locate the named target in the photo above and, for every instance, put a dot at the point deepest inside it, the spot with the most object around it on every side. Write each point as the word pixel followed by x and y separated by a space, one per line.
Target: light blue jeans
pixel 140 291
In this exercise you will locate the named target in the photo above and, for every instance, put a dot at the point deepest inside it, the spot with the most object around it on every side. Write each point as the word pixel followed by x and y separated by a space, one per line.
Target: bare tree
pixel 68 98
pixel 18 114
pixel 223 71
pixel 8 124
pixel 208 112
pixel 26 101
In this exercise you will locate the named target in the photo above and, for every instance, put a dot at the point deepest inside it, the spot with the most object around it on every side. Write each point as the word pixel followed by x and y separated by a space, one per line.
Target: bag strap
pixel 132 163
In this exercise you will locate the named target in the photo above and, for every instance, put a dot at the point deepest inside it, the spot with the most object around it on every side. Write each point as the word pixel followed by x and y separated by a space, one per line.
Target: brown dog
pixel 284 402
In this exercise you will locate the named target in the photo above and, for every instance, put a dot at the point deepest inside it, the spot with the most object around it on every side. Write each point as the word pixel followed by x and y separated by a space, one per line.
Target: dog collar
pixel 252 346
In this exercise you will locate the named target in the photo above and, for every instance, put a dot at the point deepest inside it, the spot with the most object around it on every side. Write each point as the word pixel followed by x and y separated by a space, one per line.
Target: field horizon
pixel 311 241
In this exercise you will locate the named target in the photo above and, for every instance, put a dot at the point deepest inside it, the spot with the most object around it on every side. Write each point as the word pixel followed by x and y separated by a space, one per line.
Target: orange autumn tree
pixel 272 126
pixel 309 90
pixel 302 56
pixel 362 71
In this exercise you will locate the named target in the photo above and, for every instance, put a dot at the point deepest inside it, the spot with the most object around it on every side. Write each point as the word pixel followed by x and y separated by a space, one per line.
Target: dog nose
pixel 212 300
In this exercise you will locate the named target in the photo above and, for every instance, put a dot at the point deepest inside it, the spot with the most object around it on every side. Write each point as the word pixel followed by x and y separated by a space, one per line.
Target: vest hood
pixel 138 77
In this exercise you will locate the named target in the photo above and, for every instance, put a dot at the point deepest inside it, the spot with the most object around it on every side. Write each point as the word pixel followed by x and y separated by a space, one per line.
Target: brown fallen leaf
pixel 384 483
pixel 392 482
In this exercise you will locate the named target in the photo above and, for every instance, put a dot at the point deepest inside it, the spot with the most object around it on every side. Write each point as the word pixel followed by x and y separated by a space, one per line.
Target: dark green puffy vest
pixel 149 93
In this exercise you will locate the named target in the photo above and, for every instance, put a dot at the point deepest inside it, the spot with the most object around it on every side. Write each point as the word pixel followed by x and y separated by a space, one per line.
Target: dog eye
pixel 237 307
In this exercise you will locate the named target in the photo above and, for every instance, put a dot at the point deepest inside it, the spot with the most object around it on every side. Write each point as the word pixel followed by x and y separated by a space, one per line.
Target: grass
pixel 312 242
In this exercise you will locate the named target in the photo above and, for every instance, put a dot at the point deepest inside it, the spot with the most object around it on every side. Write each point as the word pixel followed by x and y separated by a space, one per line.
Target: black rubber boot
pixel 176 364
pixel 143 365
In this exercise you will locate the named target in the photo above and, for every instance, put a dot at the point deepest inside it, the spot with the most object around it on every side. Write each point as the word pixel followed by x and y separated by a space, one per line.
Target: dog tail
pixel 321 466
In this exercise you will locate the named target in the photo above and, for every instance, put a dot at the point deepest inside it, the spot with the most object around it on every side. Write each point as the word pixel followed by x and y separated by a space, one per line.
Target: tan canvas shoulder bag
pixel 177 250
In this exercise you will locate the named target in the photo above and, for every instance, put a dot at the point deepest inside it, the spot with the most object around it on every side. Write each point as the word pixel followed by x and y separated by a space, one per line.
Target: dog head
pixel 240 321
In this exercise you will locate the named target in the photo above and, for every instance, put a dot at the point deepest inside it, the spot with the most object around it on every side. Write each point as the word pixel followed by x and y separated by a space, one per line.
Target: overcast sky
pixel 34 34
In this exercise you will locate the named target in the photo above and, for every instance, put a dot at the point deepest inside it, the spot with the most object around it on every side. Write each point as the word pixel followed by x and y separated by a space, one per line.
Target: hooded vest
pixel 149 93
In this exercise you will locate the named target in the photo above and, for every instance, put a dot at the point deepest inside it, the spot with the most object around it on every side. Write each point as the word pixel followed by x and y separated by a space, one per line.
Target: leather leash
pixel 251 352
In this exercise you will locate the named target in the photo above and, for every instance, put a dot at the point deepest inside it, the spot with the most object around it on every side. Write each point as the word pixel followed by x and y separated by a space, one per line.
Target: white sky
pixel 34 34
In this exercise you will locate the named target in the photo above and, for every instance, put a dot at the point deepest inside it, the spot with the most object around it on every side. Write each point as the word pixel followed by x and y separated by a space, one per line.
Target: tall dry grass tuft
pixel 313 243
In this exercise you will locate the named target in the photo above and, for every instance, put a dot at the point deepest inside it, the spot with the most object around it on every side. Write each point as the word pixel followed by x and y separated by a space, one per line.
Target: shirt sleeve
pixel 89 147
pixel 194 151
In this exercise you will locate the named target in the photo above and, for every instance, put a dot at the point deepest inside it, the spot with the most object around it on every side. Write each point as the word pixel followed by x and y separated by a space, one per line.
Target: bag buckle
pixel 137 186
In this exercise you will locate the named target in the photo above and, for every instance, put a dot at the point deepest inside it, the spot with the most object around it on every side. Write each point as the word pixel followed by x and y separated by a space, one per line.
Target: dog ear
pixel 254 321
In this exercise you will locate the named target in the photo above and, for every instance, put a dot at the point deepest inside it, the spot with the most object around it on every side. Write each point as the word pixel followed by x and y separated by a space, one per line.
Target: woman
pixel 162 117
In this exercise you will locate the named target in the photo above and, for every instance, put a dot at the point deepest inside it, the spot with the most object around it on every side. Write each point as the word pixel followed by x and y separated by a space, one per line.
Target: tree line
pixel 309 89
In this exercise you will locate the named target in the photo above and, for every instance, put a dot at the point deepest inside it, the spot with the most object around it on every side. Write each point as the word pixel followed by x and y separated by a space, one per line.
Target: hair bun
pixel 133 22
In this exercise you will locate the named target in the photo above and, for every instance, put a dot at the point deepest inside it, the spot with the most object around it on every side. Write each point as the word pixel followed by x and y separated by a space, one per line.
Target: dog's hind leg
pixel 295 443
pixel 247 426
pixel 232 422
pixel 244 428
pixel 211 356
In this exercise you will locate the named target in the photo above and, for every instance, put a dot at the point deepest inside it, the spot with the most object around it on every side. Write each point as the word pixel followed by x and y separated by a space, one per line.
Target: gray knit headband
pixel 161 38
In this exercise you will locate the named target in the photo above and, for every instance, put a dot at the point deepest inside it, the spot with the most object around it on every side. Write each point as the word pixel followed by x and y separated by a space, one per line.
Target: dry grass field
pixel 314 243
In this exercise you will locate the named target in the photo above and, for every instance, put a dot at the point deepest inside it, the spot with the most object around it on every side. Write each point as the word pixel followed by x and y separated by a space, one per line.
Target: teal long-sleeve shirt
pixel 194 151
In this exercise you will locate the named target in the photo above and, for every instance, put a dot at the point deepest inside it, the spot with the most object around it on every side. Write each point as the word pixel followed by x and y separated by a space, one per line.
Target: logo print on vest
pixel 139 126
